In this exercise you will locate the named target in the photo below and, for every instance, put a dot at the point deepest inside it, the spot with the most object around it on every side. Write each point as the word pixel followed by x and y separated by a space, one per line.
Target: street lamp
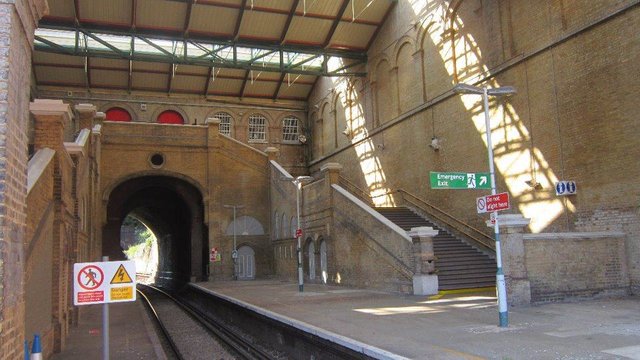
pixel 298 183
pixel 485 92
pixel 234 254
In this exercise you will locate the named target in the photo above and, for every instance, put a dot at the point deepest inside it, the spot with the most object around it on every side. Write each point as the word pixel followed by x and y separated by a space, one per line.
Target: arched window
pixel 117 114
pixel 170 117
pixel 276 227
pixel 257 128
pixel 323 261
pixel 294 226
pixel 312 260
pixel 245 225
pixel 225 123
pixel 290 129
pixel 285 229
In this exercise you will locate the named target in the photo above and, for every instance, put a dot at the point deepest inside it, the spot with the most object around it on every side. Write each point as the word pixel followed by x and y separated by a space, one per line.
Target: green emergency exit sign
pixel 459 180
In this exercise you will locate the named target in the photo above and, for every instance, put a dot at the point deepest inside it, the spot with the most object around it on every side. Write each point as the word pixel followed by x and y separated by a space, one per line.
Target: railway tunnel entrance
pixel 173 210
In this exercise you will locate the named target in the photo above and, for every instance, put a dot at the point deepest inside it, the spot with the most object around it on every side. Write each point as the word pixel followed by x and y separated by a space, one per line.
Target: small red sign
pixel 491 203
pixel 90 296
pixel 497 202
pixel 298 233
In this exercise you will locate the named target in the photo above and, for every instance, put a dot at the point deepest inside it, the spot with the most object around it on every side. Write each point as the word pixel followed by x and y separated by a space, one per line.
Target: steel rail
pixel 226 336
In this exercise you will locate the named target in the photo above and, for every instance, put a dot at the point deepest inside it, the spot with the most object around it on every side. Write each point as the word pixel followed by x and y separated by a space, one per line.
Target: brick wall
pixel 579 266
pixel 196 111
pixel 38 248
pixel 18 20
pixel 576 71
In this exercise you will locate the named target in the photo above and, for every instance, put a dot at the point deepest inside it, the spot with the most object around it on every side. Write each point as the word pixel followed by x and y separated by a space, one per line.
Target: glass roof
pixel 79 42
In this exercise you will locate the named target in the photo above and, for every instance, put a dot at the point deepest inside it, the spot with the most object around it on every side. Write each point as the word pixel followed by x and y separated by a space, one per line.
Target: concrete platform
pixel 462 326
pixel 131 334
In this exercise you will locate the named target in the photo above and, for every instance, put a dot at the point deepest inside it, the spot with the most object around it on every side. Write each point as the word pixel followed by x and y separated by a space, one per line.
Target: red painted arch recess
pixel 117 114
pixel 170 117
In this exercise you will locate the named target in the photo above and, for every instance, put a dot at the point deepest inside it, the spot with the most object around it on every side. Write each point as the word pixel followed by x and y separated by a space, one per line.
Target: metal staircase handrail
pixel 356 191
pixel 448 220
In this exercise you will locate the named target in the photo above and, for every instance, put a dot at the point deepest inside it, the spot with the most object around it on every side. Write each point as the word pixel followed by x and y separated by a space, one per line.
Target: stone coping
pixel 574 235
pixel 371 212
pixel 36 166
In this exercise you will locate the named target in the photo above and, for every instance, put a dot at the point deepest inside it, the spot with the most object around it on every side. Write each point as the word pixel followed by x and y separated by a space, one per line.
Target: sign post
pixel 105 322
pixel 103 283
pixel 459 180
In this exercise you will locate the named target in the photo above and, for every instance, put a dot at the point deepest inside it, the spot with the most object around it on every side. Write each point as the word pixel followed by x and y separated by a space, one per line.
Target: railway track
pixel 190 335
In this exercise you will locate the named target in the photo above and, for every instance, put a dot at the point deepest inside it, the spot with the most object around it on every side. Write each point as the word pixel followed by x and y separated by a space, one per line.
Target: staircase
pixel 459 265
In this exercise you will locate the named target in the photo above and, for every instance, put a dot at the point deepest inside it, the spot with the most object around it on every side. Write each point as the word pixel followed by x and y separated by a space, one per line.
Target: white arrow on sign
pixel 483 180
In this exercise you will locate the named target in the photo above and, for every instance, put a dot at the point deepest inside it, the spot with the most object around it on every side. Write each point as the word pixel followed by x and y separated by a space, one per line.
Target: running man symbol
pixel 471 181
pixel 90 277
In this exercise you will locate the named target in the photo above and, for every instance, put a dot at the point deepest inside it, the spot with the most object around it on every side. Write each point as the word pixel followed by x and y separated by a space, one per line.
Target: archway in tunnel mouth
pixel 140 244
pixel 173 211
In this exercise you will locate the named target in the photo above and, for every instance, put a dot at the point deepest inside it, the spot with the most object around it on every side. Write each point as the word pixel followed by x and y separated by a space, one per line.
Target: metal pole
pixel 105 325
pixel 298 235
pixel 500 283
pixel 234 254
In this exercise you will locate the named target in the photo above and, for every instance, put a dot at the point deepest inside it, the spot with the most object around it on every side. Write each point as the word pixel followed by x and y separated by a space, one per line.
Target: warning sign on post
pixel 90 286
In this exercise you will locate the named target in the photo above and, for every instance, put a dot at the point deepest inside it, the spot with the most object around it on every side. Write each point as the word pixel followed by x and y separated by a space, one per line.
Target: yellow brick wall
pixel 575 68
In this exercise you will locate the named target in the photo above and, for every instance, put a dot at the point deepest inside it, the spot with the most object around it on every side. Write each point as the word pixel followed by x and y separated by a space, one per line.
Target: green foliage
pixel 144 238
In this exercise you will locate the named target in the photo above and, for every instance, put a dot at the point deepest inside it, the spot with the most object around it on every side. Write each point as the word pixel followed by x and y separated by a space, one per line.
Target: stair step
pixel 459 264
pixel 442 265
pixel 464 272
pixel 466 286
pixel 486 279
pixel 460 257
pixel 469 275
pixel 474 267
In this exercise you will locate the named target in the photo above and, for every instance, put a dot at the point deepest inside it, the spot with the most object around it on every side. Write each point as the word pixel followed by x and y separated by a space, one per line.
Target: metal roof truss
pixel 222 54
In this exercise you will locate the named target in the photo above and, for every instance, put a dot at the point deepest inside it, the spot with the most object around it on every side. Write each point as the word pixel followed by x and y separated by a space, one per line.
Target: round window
pixel 156 160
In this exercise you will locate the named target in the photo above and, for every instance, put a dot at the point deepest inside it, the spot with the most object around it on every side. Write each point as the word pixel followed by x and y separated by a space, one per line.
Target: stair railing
pixel 448 221
pixel 356 191
pixel 440 217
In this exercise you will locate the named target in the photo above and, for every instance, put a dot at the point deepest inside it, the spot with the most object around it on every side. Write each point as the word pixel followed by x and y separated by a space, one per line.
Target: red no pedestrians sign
pixel 491 203
pixel 90 277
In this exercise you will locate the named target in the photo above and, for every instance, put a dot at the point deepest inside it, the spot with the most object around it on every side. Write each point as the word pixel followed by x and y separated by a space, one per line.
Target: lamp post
pixel 298 183
pixel 234 254
pixel 485 92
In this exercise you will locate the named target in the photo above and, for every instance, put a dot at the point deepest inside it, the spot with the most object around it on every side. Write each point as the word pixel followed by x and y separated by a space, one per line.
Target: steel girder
pixel 282 58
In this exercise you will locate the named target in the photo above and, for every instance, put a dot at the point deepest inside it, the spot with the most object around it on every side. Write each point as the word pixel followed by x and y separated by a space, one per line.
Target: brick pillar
pixel 213 132
pixel 331 172
pixel 99 118
pixel 51 118
pixel 272 153
pixel 425 280
pixel 212 213
pixel 513 258
pixel 86 114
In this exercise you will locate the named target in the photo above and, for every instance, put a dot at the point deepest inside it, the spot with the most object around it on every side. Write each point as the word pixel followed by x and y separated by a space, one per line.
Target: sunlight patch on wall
pixel 515 159
pixel 364 147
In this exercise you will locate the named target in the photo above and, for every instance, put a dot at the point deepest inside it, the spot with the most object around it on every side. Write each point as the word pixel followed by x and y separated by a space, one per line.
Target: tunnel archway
pixel 173 210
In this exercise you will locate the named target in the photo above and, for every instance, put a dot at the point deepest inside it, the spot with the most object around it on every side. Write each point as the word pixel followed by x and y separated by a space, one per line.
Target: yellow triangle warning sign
pixel 121 276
